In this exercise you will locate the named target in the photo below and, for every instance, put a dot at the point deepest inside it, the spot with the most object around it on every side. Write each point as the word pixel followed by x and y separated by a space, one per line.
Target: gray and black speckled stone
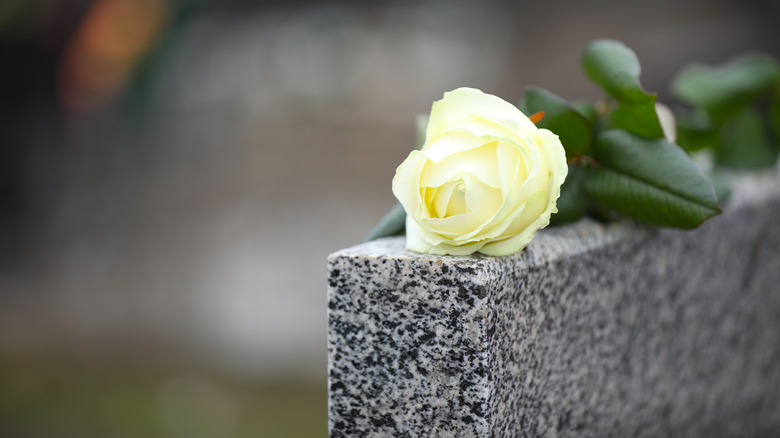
pixel 592 331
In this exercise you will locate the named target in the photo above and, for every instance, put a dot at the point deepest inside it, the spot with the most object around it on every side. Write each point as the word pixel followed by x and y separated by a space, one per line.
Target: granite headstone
pixel 594 330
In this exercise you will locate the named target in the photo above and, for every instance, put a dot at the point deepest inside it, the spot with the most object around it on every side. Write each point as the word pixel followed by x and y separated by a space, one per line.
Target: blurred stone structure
pixel 191 216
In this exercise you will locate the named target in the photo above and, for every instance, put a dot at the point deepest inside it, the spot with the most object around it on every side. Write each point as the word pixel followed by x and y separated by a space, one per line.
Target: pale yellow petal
pixel 461 105
pixel 514 197
pixel 486 129
pixel 481 198
pixel 414 237
pixel 508 165
pixel 456 204
pixel 418 243
pixel 429 200
pixel 533 208
pixel 516 242
pixel 451 143
pixel 480 162
pixel 466 209
pixel 438 205
pixel 452 226
pixel 406 182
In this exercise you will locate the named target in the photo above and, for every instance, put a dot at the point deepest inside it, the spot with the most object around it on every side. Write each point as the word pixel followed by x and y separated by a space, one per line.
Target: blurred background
pixel 173 175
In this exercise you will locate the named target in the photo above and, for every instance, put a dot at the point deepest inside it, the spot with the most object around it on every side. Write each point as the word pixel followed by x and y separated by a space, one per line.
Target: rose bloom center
pixel 469 182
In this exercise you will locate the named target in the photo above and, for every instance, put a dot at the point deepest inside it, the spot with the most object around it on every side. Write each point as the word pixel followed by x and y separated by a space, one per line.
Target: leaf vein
pixel 677 194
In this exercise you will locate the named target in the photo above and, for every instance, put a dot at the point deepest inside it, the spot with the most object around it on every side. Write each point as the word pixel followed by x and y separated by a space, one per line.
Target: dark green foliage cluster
pixel 627 167
pixel 621 163
pixel 734 111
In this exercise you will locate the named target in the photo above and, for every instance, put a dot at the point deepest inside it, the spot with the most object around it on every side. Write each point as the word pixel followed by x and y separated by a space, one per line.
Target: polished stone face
pixel 592 331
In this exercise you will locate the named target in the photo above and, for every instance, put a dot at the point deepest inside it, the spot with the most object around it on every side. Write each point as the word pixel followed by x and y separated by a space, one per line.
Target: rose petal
pixel 481 201
pixel 460 105
pixel 456 204
pixel 451 143
pixel 406 182
pixel 414 237
pixel 453 226
pixel 508 162
pixel 417 240
pixel 480 162
pixel 481 198
pixel 517 242
pixel 514 197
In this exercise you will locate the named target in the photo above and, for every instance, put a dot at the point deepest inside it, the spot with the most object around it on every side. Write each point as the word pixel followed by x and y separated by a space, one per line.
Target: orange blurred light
pixel 114 35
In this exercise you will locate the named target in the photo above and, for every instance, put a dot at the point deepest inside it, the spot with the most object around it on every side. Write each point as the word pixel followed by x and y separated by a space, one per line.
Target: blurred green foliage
pixel 615 68
pixel 734 111
pixel 619 161
pixel 61 399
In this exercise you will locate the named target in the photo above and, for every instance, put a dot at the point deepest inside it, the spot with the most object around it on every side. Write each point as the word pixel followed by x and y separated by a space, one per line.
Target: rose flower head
pixel 485 180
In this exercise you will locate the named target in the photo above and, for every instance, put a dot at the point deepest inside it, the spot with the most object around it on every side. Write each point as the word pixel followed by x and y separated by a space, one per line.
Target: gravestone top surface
pixel 548 244
pixel 748 189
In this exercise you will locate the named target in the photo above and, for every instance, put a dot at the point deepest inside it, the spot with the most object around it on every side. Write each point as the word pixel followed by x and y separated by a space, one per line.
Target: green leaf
pixel 587 109
pixel 695 130
pixel 616 69
pixel 743 142
pixel 727 88
pixel 774 112
pixel 638 118
pixel 650 180
pixel 392 224
pixel 559 117
pixel 573 202
pixel 722 188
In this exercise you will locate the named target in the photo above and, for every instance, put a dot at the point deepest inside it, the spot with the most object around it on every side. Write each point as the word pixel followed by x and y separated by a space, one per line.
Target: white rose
pixel 485 180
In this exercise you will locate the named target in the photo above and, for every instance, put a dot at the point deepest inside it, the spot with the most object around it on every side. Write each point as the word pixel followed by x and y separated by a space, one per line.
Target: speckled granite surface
pixel 592 331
